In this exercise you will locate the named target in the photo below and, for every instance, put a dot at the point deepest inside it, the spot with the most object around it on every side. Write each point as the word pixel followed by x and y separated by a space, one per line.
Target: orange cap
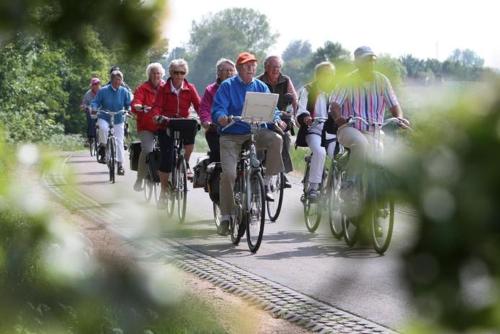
pixel 245 57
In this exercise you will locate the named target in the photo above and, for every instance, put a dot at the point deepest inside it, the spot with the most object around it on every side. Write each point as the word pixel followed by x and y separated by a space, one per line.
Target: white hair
pixel 116 73
pixel 320 67
pixel 268 59
pixel 178 63
pixel 222 61
pixel 153 66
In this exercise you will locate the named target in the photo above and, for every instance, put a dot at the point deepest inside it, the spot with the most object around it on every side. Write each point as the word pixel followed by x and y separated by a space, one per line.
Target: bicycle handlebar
pixel 396 120
pixel 250 120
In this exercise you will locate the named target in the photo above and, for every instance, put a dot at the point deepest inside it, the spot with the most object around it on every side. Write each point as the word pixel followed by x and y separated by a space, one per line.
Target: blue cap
pixel 364 52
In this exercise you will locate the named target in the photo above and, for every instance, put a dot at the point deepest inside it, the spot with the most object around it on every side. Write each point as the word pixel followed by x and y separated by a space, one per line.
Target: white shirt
pixel 320 108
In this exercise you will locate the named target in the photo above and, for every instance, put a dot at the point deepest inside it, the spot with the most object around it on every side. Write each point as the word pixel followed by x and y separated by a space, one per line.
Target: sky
pixel 424 28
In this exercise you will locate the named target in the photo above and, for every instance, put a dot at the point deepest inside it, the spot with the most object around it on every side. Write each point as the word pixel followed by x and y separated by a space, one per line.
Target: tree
pixel 295 57
pixel 392 68
pixel 333 52
pixel 226 34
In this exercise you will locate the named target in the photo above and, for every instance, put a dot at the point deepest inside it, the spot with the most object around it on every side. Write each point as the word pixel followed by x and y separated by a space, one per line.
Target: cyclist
pixel 112 97
pixel 225 69
pixel 144 97
pixel 229 101
pixel 95 85
pixel 282 85
pixel 365 93
pixel 313 103
pixel 174 100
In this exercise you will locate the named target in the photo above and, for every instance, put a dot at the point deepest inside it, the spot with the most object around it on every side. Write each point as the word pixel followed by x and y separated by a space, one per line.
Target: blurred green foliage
pixel 451 178
pixel 50 54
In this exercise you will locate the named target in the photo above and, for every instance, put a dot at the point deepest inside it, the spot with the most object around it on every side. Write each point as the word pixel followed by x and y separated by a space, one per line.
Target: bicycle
pixel 313 208
pixel 152 180
pixel 111 142
pixel 178 176
pixel 249 193
pixel 380 213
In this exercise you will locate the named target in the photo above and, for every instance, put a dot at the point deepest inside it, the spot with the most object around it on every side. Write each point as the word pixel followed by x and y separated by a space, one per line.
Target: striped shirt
pixel 365 99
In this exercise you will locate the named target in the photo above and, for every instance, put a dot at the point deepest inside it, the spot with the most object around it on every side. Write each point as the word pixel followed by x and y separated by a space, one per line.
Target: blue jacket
pixel 229 100
pixel 112 99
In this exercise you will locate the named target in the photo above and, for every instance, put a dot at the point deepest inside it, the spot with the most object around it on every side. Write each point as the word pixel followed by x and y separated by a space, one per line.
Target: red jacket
pixel 169 104
pixel 145 95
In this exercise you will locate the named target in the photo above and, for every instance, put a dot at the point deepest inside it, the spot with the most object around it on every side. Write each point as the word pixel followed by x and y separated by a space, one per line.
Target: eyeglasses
pixel 179 72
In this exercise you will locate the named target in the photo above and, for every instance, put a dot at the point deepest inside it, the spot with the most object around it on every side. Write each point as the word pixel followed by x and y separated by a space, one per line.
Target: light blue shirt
pixel 112 99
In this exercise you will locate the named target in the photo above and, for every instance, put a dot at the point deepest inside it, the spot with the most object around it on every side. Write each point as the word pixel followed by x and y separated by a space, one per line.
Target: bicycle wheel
pixel 171 196
pixel 351 216
pixel 256 201
pixel 334 201
pixel 181 189
pixel 239 223
pixel 276 187
pixel 381 219
pixel 111 159
pixel 217 214
pixel 92 146
pixel 148 188
pixel 312 209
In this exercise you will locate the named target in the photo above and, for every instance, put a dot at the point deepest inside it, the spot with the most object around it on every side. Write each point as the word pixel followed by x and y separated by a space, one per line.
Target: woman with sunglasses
pixel 174 100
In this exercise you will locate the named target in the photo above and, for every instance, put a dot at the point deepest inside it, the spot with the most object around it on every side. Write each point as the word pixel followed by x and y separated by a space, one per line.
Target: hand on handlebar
pixel 404 123
pixel 223 120
pixel 308 120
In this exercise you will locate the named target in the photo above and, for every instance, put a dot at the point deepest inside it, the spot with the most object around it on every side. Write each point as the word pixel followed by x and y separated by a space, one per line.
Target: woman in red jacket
pixel 144 98
pixel 174 100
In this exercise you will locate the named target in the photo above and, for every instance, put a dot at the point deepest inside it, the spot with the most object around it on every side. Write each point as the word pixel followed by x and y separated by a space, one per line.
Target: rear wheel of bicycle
pixel 351 216
pixel 256 211
pixel 276 188
pixel 312 210
pixel 334 202
pixel 181 192
pixel 111 159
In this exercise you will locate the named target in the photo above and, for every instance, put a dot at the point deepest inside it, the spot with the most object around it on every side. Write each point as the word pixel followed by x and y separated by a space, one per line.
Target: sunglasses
pixel 179 73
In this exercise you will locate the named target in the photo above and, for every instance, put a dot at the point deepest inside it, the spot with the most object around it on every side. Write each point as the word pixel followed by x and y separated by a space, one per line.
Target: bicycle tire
pixel 312 210
pixel 171 195
pixel 111 159
pixel 255 211
pixel 92 146
pixel 276 187
pixel 334 201
pixel 353 225
pixel 181 189
pixel 381 219
pixel 217 214
pixel 148 188
pixel 239 223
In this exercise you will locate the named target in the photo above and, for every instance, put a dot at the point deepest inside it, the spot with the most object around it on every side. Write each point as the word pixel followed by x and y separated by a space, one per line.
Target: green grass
pixel 66 142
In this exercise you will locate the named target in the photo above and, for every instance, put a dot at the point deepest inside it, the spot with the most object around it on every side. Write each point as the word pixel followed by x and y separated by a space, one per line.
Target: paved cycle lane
pixel 356 281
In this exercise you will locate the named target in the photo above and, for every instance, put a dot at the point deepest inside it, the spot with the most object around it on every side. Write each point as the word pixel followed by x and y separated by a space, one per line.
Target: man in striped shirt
pixel 365 93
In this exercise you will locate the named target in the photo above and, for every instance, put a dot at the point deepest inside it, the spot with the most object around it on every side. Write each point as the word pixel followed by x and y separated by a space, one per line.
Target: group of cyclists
pixel 364 94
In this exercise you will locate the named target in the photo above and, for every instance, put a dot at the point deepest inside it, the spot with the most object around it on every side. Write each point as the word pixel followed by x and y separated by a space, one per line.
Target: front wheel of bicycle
pixel 382 224
pixel 181 192
pixel 312 209
pixel 334 202
pixel 171 194
pixel 148 188
pixel 111 159
pixel 276 188
pixel 256 202
pixel 92 146
pixel 217 214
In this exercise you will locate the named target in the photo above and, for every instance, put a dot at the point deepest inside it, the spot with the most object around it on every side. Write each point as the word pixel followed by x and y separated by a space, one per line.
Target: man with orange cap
pixel 229 101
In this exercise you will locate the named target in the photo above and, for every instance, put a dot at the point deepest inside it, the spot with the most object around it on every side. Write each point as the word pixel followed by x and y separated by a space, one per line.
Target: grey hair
pixel 178 63
pixel 268 58
pixel 116 74
pixel 222 61
pixel 319 67
pixel 153 66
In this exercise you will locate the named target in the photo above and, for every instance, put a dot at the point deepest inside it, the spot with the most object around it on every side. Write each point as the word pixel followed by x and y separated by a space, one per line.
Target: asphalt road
pixel 355 280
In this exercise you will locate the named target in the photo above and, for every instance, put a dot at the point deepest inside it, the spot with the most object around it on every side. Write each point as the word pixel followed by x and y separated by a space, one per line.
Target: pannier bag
pixel 135 150
pixel 200 173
